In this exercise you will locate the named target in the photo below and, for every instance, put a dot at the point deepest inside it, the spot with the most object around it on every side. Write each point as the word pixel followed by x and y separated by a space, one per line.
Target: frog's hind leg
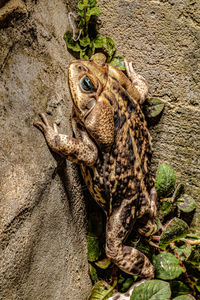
pixel 127 258
pixel 147 224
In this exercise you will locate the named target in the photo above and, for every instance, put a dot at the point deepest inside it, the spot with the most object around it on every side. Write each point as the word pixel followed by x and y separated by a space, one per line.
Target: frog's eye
pixel 86 84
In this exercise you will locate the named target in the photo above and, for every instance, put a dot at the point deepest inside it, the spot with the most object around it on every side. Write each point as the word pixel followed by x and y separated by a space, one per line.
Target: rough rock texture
pixel 43 224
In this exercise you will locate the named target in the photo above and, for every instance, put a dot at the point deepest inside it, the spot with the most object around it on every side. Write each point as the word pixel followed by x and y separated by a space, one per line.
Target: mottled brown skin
pixel 113 147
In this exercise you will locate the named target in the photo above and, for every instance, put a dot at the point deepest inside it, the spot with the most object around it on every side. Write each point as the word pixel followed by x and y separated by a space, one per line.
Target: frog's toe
pixel 55 128
pixel 44 119
pixel 129 67
pixel 40 125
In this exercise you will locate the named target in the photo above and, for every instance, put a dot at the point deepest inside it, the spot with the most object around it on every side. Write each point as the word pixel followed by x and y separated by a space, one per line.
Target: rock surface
pixel 43 221
pixel 43 224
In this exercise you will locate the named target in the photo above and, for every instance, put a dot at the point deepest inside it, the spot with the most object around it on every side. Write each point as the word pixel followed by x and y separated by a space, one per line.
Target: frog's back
pixel 123 172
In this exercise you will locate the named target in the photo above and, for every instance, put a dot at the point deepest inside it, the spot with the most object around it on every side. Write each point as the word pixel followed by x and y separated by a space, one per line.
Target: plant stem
pixel 190 283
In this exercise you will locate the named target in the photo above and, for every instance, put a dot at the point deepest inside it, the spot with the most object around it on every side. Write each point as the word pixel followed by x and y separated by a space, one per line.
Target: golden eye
pixel 91 103
pixel 86 84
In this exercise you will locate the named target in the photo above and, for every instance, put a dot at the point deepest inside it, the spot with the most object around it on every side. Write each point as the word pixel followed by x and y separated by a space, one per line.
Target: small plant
pixel 174 252
pixel 84 40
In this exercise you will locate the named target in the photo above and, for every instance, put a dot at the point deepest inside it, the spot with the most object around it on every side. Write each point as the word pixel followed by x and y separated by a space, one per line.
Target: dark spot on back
pixel 114 78
pixel 122 121
pixel 120 234
pixel 108 98
pixel 115 87
pixel 124 95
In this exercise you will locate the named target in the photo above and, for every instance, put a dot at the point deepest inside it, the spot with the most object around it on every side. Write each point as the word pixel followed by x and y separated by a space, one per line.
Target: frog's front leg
pixel 138 81
pixel 127 258
pixel 76 150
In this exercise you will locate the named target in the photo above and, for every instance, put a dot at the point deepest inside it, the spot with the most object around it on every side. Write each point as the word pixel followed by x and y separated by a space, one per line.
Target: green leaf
pixel 126 284
pixel 158 224
pixel 92 3
pixel 174 230
pixel 198 285
pixel 101 291
pixel 93 273
pixel 184 297
pixel 184 251
pixel 84 41
pixel 94 11
pixel 153 107
pixel 118 62
pixel 194 258
pixel 83 55
pixel 193 236
pixel 178 192
pixel 99 41
pixel 71 44
pixel 93 248
pixel 110 47
pixel 103 264
pixel 81 6
pixel 82 21
pixel 141 245
pixel 186 203
pixel 91 49
pixel 165 180
pixel 165 207
pixel 179 288
pixel 167 266
pixel 153 289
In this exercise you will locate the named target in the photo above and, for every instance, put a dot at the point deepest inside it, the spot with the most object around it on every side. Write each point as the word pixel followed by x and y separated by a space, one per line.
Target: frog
pixel 113 147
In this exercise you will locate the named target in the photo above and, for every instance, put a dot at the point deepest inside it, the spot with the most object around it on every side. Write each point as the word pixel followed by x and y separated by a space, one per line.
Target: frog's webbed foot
pixel 44 125
pixel 138 81
pixel 76 150
pixel 127 258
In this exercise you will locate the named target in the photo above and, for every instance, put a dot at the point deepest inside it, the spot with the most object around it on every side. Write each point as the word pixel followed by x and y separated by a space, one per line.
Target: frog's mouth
pixel 93 102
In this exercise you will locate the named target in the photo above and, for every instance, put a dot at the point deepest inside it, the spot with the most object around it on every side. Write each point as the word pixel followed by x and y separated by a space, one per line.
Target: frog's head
pixel 87 80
